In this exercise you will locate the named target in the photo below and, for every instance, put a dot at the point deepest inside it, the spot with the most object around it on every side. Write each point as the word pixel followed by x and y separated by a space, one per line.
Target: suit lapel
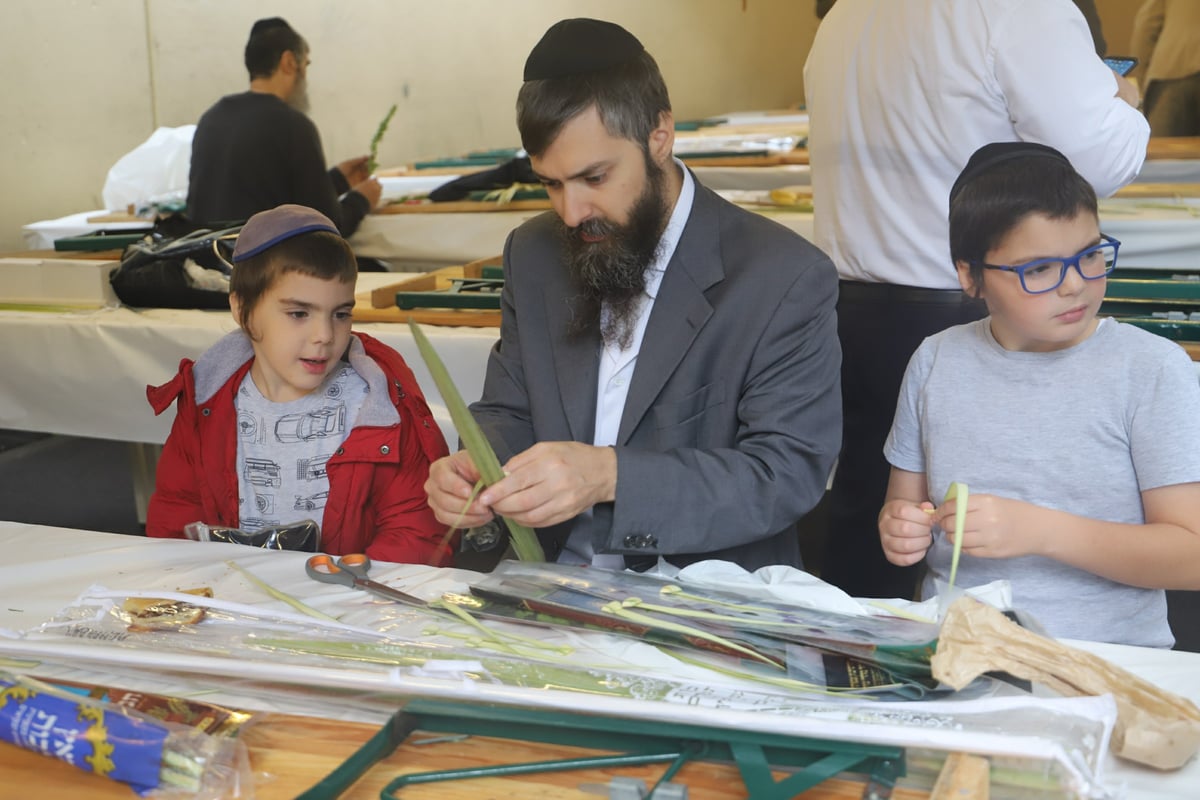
pixel 576 365
pixel 680 309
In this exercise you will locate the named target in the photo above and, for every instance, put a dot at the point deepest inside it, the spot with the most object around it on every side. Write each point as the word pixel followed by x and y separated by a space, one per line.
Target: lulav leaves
pixel 372 160
pixel 959 492
pixel 524 541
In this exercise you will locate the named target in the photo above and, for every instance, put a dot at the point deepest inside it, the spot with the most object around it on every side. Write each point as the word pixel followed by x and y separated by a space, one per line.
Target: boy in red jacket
pixel 295 417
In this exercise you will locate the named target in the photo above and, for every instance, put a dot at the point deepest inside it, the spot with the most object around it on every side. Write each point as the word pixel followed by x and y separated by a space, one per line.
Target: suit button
pixel 630 541
pixel 385 449
pixel 206 411
pixel 640 541
pixel 341 450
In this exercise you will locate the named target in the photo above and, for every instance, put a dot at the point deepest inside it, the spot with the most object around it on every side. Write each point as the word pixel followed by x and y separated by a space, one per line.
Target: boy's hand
pixel 995 527
pixel 906 530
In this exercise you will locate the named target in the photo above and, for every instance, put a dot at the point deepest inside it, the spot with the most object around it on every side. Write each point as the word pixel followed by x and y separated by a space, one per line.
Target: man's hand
pixel 552 482
pixel 906 530
pixel 370 189
pixel 355 170
pixel 1127 90
pixel 451 481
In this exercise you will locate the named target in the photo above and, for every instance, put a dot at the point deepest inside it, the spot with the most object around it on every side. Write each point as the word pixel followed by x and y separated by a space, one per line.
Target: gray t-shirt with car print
pixel 283 448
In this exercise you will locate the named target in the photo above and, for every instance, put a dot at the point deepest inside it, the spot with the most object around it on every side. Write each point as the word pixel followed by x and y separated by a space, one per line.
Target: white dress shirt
pixel 616 372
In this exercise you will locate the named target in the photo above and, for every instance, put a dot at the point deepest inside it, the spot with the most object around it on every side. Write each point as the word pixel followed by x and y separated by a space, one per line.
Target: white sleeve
pixel 1061 94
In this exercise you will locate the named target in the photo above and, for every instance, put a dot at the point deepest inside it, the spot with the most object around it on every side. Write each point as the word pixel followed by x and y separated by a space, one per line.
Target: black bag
pixel 188 271
pixel 517 170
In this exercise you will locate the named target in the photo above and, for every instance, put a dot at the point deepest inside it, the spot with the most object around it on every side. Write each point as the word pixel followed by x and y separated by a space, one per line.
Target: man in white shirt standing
pixel 900 93
pixel 666 380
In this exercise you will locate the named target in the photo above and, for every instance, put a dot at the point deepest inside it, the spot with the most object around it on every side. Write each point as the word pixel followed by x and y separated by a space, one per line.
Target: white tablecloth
pixel 1154 233
pixel 85 373
pixel 1151 237
pixel 41 235
pixel 718 178
pixel 46 568
pixel 420 242
pixel 1170 170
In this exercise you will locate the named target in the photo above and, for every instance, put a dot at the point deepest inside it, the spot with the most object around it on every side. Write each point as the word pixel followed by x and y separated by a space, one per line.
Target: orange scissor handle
pixel 358 563
pixel 344 570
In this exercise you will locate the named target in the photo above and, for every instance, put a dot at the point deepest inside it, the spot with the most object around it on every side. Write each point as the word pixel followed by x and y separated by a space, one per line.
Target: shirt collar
pixel 672 233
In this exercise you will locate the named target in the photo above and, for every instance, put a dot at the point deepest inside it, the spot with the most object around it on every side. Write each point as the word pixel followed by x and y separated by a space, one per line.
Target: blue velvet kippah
pixel 574 46
pixel 268 228
pixel 991 155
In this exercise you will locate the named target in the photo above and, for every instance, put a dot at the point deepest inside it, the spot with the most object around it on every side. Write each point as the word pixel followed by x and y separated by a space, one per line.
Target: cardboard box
pixel 57 281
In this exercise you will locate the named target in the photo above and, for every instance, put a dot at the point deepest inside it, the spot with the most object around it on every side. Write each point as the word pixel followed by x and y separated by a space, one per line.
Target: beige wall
pixel 87 81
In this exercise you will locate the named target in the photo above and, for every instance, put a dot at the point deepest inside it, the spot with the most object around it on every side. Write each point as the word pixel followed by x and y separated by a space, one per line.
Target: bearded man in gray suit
pixel 667 377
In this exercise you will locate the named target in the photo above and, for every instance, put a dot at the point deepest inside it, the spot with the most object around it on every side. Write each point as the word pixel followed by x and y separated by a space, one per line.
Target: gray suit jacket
pixel 733 418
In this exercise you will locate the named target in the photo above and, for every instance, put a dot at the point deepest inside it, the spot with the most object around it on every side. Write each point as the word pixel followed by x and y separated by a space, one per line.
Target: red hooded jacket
pixel 376 500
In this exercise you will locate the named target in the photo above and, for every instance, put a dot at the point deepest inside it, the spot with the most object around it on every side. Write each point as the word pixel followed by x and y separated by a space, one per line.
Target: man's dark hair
pixel 996 200
pixel 631 98
pixel 318 254
pixel 269 39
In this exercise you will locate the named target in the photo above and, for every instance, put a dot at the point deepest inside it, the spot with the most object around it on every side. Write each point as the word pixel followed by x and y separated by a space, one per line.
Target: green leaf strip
pixel 959 492
pixel 497 636
pixel 278 595
pixel 619 610
pixel 372 161
pixel 524 541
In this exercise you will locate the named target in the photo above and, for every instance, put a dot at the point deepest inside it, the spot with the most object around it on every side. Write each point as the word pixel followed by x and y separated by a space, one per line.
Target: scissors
pixel 351 570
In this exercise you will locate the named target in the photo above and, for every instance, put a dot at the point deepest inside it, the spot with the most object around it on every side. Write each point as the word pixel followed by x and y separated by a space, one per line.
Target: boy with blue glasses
pixel 1079 437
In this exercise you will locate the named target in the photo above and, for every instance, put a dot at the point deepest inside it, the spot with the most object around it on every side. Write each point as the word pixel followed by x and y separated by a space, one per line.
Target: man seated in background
pixel 257 150
pixel 666 381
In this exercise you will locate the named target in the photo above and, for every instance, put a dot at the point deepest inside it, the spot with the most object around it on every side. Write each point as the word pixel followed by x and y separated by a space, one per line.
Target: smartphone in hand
pixel 1122 65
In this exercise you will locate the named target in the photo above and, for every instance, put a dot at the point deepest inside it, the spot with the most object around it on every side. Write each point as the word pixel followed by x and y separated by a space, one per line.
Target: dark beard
pixel 299 96
pixel 612 273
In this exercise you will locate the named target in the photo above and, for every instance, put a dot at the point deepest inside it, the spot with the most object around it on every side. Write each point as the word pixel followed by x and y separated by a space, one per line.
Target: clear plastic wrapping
pixel 154 757
pixel 385 647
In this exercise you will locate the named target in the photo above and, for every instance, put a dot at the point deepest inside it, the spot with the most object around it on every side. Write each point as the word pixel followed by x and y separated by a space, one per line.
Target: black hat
pixel 991 155
pixel 574 46
pixel 268 228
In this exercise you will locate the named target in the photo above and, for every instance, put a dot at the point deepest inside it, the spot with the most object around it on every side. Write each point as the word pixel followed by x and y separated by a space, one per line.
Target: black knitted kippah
pixel 574 46
pixel 991 155
pixel 270 23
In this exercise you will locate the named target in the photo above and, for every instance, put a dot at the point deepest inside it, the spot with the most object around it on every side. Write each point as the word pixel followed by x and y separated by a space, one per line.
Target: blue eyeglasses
pixel 1047 274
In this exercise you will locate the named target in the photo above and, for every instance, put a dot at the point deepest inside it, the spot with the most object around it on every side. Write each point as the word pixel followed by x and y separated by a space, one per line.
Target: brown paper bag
pixel 1153 727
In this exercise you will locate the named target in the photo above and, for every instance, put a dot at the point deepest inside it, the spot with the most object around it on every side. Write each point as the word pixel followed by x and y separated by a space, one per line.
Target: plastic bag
pixel 153 173
pixel 303 536
pixel 1154 727
pixel 155 758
